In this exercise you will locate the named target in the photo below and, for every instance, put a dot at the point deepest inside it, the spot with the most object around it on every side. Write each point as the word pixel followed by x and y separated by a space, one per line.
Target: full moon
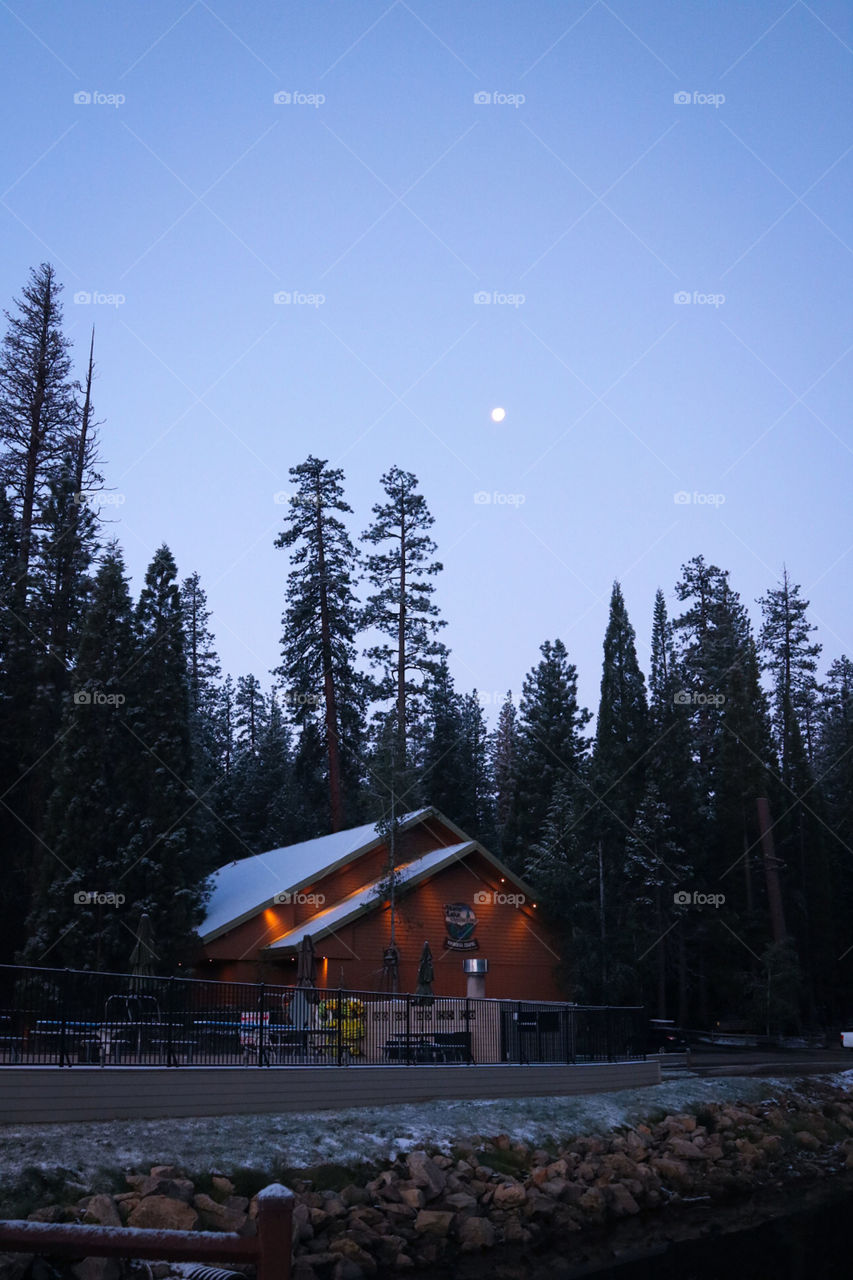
pixel 498 415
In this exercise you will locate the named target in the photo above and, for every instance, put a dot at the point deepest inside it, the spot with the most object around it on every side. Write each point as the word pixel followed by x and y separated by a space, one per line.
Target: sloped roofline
pixel 413 819
pixel 455 853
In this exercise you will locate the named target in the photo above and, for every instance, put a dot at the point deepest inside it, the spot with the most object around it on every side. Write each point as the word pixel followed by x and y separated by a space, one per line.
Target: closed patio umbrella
pixel 426 977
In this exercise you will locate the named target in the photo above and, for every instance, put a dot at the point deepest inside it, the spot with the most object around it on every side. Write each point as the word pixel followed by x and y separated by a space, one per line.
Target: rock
pixel 48 1213
pixel 402 1262
pixel 352 1194
pixel 592 1202
pixel 222 1187
pixel 807 1140
pixel 161 1212
pixel 433 1222
pixel 348 1248
pixel 98 1269
pixel 622 1203
pixel 460 1201
pixel 425 1173
pixel 104 1210
pixel 685 1150
pixel 509 1194
pixel 174 1188
pixel 167 1171
pixel 476 1234
pixel 14 1266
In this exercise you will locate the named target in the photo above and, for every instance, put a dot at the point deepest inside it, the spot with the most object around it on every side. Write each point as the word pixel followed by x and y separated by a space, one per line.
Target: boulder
pixel 509 1194
pixel 222 1187
pixel 622 1203
pixel 164 1213
pixel 433 1222
pixel 104 1210
pixel 684 1150
pixel 348 1248
pixel 425 1173
pixel 807 1140
pixel 97 1269
pixel 476 1234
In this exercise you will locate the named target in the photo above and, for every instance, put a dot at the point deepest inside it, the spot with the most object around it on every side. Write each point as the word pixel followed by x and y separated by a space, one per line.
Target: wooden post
pixel 275 1232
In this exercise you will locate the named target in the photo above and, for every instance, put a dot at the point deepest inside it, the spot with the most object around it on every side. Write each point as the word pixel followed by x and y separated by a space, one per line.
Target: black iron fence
pixel 64 1017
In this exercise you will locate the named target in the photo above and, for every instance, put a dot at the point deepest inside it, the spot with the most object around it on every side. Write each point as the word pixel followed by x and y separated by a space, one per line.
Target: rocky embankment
pixel 493 1194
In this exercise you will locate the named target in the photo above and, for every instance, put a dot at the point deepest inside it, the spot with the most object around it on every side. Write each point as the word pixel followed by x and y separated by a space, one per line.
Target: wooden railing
pixel 270 1250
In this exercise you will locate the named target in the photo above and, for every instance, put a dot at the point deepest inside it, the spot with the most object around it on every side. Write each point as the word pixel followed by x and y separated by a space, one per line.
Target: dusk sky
pixel 583 167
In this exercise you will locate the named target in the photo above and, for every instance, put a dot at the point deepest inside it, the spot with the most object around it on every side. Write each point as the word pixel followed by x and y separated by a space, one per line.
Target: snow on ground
pixel 351 1135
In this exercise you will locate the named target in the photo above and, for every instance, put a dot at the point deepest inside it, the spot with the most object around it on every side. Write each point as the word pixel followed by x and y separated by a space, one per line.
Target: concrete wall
pixel 33 1095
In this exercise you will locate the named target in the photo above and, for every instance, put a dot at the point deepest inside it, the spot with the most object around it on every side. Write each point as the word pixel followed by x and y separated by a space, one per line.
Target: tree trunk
pixel 331 711
pixel 771 872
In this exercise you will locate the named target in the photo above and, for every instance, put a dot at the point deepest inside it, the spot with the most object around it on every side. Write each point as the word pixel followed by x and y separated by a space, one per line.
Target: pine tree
pixel 442 772
pixel 38 409
pixel 166 861
pixel 791 659
pixel 90 820
pixel 551 744
pixel 617 782
pixel 401 607
pixel 477 812
pixel 564 871
pixel 320 622
pixel 503 749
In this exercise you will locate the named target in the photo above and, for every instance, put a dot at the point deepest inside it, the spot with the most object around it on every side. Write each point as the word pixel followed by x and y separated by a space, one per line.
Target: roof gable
pixel 241 889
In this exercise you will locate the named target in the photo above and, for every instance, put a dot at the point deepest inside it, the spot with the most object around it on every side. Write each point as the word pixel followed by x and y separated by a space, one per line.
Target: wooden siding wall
pixel 61 1096
pixel 523 957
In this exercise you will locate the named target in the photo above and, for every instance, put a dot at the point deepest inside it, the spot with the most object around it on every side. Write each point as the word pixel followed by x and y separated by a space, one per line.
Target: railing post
pixel 339 1030
pixel 409 1051
pixel 261 1002
pixel 170 1004
pixel 275 1232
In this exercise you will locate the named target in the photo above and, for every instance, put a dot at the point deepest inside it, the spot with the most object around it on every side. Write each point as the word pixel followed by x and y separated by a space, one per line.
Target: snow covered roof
pixel 241 889
pixel 364 899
